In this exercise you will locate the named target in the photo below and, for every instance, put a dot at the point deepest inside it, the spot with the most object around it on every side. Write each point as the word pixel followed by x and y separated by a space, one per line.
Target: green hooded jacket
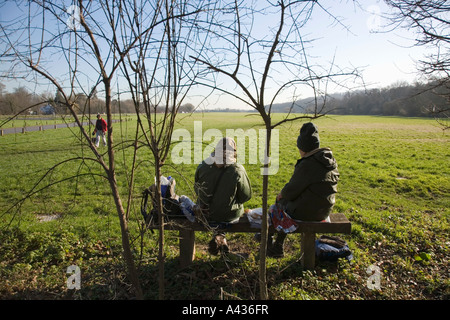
pixel 310 193
pixel 226 204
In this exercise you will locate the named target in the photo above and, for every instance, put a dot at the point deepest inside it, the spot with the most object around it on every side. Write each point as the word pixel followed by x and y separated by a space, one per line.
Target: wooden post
pixel 187 247
pixel 308 247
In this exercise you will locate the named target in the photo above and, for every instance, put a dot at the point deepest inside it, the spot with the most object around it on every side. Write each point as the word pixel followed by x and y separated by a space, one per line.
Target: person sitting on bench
pixel 222 187
pixel 310 193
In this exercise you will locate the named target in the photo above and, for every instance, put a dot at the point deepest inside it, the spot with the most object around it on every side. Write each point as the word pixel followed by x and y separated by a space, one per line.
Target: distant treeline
pixel 407 100
pixel 417 100
pixel 22 101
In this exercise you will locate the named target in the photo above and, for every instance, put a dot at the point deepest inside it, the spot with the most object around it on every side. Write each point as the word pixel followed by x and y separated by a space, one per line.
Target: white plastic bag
pixel 187 207
pixel 255 218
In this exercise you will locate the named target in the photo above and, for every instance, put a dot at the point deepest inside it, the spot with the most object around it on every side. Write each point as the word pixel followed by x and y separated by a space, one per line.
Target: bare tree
pixel 160 73
pixel 95 44
pixel 429 19
pixel 262 49
pixel 155 46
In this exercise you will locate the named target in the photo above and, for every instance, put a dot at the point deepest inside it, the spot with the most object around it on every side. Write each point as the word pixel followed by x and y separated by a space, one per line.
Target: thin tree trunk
pixel 161 257
pixel 128 256
pixel 265 224
pixel 132 272
pixel 263 249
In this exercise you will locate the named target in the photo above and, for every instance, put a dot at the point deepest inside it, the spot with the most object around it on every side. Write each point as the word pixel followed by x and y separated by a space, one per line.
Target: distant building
pixel 48 109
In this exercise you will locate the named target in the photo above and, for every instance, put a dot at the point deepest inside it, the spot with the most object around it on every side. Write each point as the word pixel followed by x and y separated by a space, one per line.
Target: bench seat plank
pixel 338 224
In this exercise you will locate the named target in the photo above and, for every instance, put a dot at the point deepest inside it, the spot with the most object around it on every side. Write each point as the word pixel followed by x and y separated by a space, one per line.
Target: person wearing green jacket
pixel 310 193
pixel 222 187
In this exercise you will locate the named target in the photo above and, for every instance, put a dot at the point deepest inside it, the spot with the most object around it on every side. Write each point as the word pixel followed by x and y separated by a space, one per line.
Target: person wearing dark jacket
pixel 222 187
pixel 310 193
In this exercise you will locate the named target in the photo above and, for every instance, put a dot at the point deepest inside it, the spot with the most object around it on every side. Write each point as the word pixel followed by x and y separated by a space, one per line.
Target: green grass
pixel 33 120
pixel 394 188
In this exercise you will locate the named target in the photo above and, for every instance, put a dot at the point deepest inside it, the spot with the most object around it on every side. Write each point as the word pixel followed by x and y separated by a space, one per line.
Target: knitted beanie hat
pixel 308 139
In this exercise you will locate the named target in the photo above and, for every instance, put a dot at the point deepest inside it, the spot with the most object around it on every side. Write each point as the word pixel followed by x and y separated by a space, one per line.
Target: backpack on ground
pixel 331 248
pixel 171 203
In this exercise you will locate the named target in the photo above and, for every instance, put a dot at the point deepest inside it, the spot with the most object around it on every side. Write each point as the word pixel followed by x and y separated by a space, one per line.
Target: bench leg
pixel 187 247
pixel 308 247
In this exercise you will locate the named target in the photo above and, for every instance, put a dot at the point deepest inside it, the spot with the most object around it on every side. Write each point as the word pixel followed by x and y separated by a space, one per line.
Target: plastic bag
pixel 281 221
pixel 187 207
pixel 255 217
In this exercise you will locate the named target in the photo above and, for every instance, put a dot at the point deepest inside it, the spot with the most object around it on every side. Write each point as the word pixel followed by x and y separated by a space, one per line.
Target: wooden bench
pixel 338 224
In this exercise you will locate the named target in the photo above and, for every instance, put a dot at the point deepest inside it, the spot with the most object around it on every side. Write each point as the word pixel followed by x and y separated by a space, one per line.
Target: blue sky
pixel 385 58
pixel 364 41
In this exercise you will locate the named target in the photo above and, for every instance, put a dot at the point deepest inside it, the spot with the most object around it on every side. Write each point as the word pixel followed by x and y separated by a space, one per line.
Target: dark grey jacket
pixel 226 204
pixel 310 193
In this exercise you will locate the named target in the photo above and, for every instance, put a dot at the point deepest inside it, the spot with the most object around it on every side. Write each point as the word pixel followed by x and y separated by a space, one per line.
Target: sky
pixel 384 57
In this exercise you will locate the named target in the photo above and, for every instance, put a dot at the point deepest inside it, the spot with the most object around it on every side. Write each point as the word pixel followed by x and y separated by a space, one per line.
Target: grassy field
pixel 394 188
pixel 32 120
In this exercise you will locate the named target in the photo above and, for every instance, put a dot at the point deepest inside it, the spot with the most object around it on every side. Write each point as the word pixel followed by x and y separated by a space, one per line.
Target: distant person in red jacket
pixel 100 130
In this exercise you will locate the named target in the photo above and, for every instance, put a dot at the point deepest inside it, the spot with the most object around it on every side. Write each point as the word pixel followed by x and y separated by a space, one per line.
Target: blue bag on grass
pixel 332 248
